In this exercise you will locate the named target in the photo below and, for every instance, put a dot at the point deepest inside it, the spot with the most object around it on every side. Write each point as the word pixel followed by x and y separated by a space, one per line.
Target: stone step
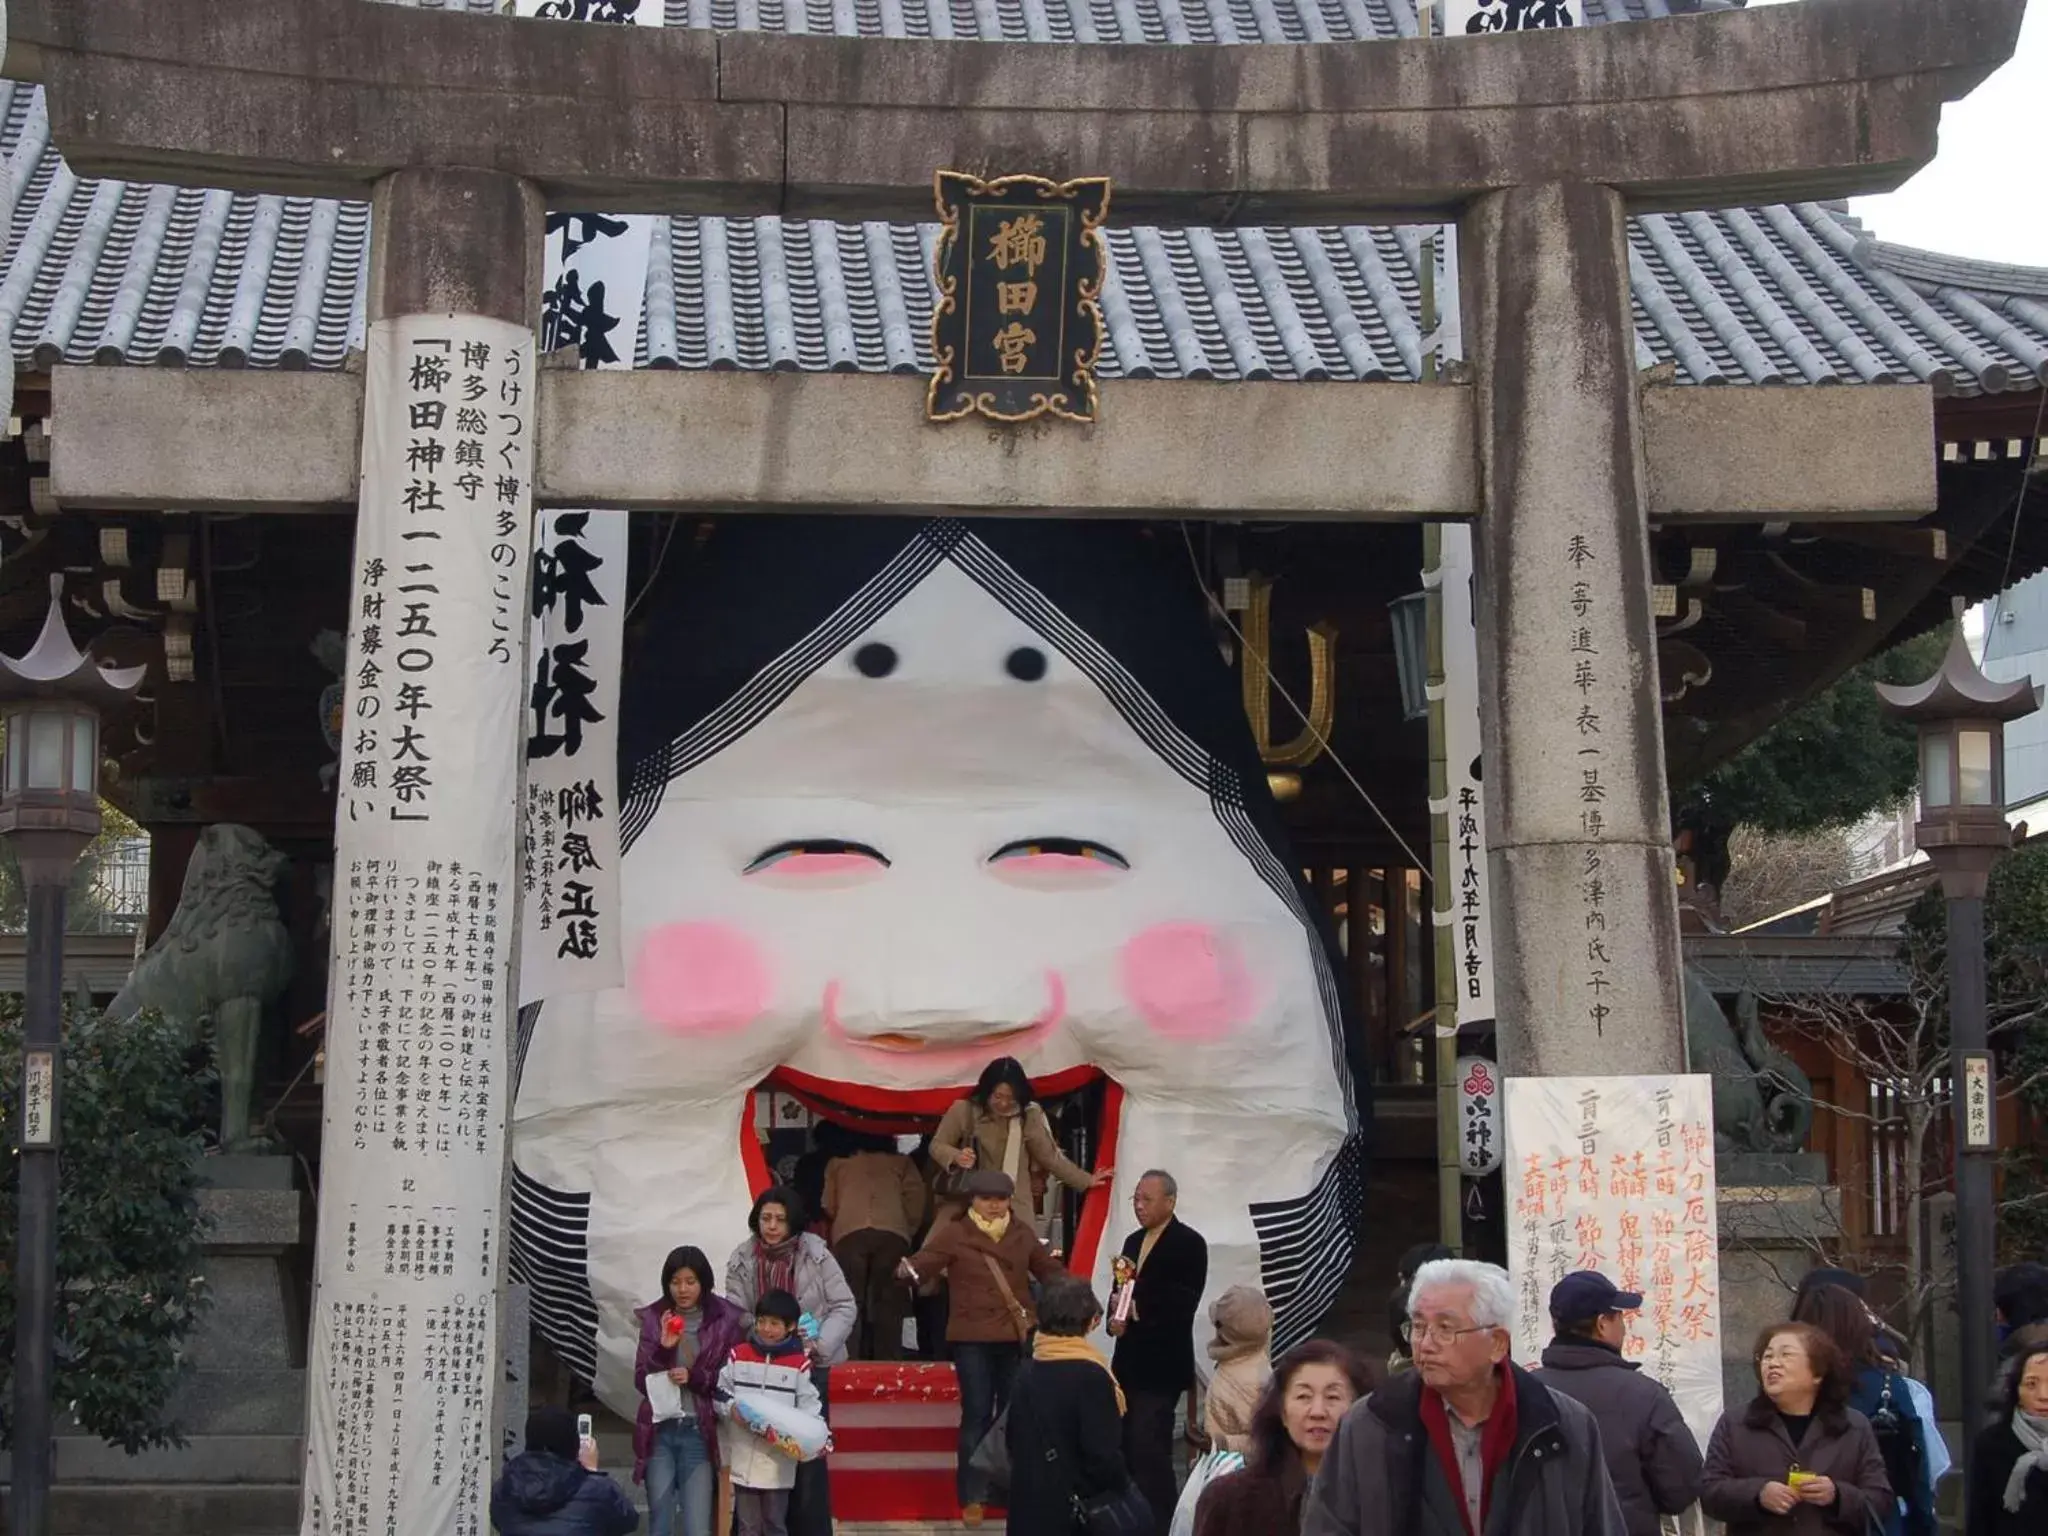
pixel 202 1459
pixel 170 1509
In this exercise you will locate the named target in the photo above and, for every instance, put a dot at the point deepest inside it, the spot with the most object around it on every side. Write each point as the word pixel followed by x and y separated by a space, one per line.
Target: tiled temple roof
pixel 123 272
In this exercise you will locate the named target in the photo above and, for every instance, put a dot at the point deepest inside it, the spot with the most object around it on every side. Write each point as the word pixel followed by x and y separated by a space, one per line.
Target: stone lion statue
pixel 224 959
pixel 1763 1102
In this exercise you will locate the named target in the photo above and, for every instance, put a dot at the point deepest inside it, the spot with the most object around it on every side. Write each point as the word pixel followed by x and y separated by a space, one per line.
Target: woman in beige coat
pixel 1000 1127
pixel 1244 1335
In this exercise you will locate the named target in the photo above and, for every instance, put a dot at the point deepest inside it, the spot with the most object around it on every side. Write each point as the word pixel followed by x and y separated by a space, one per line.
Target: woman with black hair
pixel 1798 1461
pixel 1001 1126
pixel 1882 1396
pixel 2009 1484
pixel 1313 1387
pixel 685 1334
pixel 780 1255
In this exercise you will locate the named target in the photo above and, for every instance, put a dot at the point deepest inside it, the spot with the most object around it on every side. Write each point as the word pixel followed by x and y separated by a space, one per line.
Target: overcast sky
pixel 1983 195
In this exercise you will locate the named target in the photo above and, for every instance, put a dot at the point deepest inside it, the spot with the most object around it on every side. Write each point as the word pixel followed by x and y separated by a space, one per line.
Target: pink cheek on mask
pixel 700 978
pixel 1186 980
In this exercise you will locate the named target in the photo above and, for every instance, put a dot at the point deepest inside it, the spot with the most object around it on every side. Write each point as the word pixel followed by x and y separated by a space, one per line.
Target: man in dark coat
pixel 1651 1453
pixel 553 1487
pixel 1467 1441
pixel 1167 1262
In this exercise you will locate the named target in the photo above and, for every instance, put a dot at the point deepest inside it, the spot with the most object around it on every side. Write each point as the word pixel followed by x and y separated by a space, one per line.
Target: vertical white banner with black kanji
pixel 596 276
pixel 569 864
pixel 1468 912
pixel 404 1349
pixel 1476 18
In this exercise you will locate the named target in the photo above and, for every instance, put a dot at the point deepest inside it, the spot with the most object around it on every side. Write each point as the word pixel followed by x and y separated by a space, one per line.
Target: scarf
pixel 1053 1346
pixel 775 1266
pixel 1013 1150
pixel 1496 1441
pixel 2031 1430
pixel 994 1229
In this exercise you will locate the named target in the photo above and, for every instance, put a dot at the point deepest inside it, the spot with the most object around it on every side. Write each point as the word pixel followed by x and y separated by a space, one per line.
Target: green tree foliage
pixel 129 1227
pixel 1829 762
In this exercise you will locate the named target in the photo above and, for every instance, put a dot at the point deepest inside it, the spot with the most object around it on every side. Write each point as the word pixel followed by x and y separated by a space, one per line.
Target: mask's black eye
pixel 875 659
pixel 1026 663
pixel 1048 852
pixel 816 855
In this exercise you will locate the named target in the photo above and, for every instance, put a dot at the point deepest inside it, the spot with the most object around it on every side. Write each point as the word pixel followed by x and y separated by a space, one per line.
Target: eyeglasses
pixel 1441 1334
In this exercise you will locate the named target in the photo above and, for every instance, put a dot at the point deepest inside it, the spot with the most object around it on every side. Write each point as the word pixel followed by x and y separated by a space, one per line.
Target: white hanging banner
pixel 596 275
pixel 1470 909
pixel 404 1352
pixel 1617 1174
pixel 1474 18
pixel 569 865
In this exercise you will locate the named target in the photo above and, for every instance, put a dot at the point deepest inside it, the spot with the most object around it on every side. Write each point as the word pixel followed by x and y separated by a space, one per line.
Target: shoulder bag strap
pixel 1019 1318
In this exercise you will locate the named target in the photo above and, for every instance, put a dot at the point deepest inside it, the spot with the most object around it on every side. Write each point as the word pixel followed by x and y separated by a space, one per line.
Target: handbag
pixel 991 1457
pixel 1124 1512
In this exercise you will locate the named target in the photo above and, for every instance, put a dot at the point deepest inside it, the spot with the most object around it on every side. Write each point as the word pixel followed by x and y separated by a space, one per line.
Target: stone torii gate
pixel 463 129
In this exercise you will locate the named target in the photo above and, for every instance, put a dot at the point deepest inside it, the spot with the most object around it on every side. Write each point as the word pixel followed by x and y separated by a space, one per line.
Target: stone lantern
pixel 51 702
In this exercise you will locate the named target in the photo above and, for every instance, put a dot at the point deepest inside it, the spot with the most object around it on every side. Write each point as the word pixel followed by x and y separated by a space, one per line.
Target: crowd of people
pixel 1453 1438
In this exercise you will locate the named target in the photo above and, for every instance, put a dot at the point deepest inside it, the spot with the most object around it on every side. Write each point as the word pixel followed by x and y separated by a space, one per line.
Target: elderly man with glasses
pixel 1468 1443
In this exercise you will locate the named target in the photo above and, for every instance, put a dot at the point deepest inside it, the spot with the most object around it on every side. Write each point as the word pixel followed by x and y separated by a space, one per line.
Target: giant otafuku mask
pixel 902 797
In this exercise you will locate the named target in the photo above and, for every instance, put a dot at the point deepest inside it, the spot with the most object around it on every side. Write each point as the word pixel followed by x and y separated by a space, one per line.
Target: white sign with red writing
pixel 1617 1174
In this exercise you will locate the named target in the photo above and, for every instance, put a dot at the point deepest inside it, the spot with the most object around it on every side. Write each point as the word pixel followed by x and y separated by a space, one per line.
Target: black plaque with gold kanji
pixel 1018 318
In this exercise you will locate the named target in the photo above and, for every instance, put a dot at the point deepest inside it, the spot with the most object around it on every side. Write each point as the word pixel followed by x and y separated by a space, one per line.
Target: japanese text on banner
pixel 596 280
pixel 569 860
pixel 404 1333
pixel 1470 910
pixel 1617 1174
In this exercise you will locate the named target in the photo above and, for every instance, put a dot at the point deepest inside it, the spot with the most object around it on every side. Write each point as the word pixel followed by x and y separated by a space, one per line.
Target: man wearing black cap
pixel 1651 1454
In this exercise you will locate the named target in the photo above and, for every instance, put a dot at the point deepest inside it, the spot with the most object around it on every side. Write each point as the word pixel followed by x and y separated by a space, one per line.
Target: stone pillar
pixel 404 1359
pixel 1578 834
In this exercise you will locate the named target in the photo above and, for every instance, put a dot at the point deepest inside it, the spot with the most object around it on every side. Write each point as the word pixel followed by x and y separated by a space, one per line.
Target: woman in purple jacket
pixel 685 1335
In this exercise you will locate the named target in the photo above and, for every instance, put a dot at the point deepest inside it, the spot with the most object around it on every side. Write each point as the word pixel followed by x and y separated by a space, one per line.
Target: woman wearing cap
pixel 1001 1128
pixel 989 1258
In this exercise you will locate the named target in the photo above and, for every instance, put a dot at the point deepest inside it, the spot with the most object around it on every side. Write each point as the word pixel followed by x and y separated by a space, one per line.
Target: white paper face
pixel 892 879
pixel 850 889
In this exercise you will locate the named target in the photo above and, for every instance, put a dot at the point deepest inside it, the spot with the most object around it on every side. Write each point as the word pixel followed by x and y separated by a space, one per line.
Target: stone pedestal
pixel 1771 1235
pixel 242 1401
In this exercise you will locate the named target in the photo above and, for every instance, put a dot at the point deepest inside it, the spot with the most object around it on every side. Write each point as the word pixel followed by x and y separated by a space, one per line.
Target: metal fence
pixel 119 902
